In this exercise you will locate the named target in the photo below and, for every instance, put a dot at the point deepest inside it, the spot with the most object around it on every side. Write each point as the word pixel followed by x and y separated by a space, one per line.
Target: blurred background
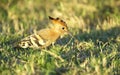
pixel 94 23
pixel 18 16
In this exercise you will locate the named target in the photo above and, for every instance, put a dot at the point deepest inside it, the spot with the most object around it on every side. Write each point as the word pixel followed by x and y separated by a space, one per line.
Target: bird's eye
pixel 63 28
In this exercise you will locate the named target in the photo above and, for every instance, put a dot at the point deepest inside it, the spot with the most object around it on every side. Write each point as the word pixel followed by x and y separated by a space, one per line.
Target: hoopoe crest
pixel 45 37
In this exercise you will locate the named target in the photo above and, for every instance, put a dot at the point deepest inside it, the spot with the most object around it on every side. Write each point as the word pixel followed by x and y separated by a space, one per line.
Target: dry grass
pixel 95 48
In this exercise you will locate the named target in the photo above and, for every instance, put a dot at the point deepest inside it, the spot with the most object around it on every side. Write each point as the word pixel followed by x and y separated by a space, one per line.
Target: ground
pixel 94 48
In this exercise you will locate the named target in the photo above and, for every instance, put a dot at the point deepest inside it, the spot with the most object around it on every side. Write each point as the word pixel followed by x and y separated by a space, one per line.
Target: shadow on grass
pixel 78 55
pixel 102 35
pixel 99 38
pixel 94 36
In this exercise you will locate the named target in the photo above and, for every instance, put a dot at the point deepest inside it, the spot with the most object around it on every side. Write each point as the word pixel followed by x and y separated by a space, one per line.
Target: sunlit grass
pixel 94 48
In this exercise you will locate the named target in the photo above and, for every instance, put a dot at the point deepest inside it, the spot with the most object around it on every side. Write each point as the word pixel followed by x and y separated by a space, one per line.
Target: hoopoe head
pixel 59 25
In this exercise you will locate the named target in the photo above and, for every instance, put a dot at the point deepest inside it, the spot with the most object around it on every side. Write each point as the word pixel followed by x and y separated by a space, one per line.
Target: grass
pixel 95 48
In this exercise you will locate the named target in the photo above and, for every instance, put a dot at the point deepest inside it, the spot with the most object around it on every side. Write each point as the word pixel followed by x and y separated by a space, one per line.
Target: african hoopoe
pixel 45 37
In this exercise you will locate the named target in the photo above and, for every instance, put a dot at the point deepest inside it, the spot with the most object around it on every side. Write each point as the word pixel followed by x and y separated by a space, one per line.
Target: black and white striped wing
pixel 32 41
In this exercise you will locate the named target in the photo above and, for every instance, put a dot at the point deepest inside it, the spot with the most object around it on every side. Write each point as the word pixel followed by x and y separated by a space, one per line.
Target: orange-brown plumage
pixel 45 37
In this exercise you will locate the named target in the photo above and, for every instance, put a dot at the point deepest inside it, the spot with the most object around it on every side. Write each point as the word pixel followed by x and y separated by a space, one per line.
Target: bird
pixel 45 37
